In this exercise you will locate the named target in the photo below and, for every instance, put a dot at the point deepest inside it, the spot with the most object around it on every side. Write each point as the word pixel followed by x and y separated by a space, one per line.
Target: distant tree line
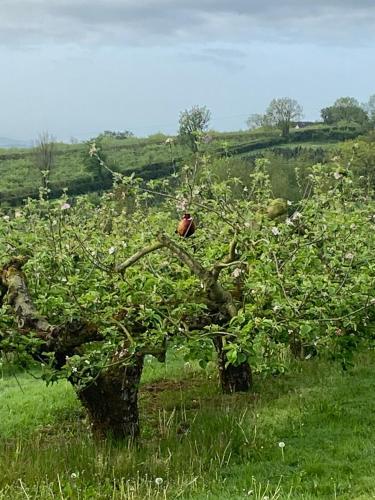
pixel 284 112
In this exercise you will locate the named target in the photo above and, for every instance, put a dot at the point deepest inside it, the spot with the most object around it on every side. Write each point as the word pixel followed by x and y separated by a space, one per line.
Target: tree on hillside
pixel 369 107
pixel 44 156
pixel 345 109
pixel 192 123
pixel 256 120
pixel 112 134
pixel 282 112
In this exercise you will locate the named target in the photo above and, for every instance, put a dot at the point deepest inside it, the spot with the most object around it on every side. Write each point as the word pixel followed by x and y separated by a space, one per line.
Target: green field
pixel 148 158
pixel 203 445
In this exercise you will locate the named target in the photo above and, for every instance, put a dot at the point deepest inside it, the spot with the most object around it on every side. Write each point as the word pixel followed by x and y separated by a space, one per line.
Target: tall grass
pixel 197 443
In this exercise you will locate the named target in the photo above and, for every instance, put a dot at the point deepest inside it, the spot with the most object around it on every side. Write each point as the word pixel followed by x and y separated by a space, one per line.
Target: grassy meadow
pixel 195 442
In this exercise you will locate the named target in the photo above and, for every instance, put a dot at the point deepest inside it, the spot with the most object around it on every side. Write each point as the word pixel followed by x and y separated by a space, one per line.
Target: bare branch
pixel 134 258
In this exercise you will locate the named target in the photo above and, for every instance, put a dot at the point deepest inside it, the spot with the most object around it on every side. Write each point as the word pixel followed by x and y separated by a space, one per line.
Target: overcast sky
pixel 78 67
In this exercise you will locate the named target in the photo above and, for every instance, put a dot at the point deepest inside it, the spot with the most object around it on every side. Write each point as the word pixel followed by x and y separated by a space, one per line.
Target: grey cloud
pixel 149 22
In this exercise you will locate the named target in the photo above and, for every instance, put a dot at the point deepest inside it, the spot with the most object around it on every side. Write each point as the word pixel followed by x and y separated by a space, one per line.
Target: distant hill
pixel 6 142
pixel 153 158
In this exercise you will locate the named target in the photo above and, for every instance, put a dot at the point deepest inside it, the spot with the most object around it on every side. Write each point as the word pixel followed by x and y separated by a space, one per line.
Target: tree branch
pixel 134 258
pixel 214 290
pixel 228 261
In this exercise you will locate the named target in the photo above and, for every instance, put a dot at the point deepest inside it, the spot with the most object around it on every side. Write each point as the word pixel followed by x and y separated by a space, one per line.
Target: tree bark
pixel 233 378
pixel 111 401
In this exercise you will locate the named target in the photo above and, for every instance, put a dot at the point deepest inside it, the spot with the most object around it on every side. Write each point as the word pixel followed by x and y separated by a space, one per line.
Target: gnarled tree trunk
pixel 112 400
pixel 233 378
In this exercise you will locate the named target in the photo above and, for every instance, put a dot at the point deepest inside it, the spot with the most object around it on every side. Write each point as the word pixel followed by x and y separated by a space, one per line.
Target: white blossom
pixel 297 215
pixel 237 272
pixel 159 481
pixel 275 231
pixel 111 250
pixel 93 150
pixel 65 206
pixel 281 444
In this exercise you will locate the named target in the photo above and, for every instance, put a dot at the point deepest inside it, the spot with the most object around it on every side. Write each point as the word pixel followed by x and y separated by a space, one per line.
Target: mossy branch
pixel 62 339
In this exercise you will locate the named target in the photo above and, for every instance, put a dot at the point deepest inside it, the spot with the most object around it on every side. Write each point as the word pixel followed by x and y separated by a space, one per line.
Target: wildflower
pixel 111 250
pixel 289 203
pixel 73 475
pixel 65 206
pixel 275 231
pixel 297 215
pixel 289 222
pixel 74 369
pixel 6 218
pixel 282 446
pixel 17 214
pixel 237 272
pixel 169 140
pixel 349 256
pixel 337 176
pixel 159 481
pixel 275 309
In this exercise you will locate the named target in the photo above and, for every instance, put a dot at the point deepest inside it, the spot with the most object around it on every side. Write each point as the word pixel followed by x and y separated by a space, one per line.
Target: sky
pixel 75 68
